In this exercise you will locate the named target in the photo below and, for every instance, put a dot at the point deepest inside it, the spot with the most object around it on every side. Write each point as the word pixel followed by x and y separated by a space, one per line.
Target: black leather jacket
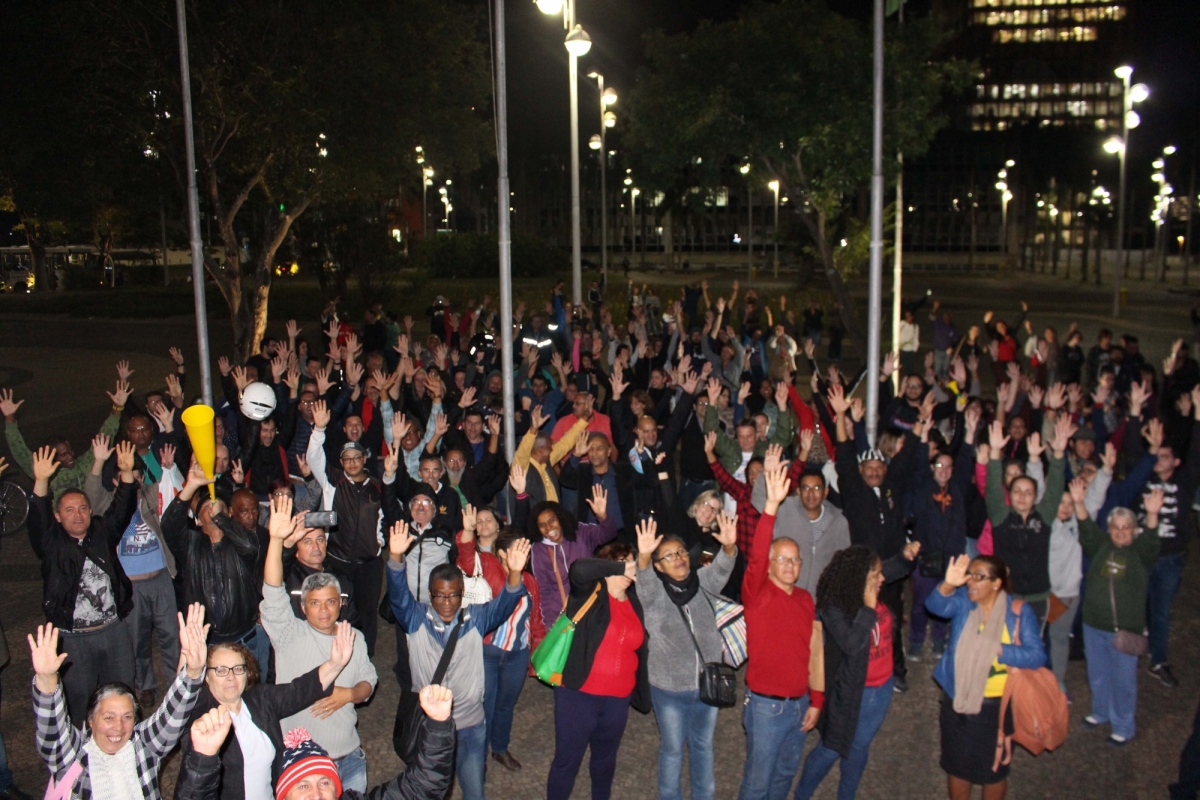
pixel 62 557
pixel 225 576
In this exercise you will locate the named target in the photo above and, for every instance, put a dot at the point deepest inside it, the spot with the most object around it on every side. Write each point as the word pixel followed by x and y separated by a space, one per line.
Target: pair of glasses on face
pixel 421 504
pixel 787 560
pixel 223 672
pixel 673 556
pixel 352 459
pixel 451 596
pixel 979 577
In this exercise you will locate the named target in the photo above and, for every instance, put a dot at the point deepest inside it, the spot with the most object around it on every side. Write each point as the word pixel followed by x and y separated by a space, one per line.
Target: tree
pixel 786 89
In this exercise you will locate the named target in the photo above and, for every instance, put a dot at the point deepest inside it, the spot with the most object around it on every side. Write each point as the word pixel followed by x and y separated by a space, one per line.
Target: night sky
pixel 1165 52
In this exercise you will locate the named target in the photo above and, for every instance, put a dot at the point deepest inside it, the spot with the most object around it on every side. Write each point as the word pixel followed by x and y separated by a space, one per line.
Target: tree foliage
pixel 787 89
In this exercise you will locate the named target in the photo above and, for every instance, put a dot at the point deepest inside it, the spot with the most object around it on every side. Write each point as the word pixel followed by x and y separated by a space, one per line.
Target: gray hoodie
pixel 1066 558
pixel 792 521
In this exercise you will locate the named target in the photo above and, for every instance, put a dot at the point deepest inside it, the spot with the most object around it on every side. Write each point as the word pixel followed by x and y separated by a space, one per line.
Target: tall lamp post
pixel 608 119
pixel 1005 195
pixel 1162 209
pixel 774 187
pixel 1120 146
pixel 745 170
pixel 578 43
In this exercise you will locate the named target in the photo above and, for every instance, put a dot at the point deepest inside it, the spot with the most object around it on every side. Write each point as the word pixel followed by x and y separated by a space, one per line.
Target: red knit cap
pixel 304 758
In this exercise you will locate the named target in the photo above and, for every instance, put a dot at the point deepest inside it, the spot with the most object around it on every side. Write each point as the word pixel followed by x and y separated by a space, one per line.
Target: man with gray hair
pixel 301 645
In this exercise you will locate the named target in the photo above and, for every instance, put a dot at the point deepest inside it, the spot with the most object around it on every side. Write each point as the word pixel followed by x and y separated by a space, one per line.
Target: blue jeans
pixel 682 717
pixel 470 757
pixel 774 744
pixel 1113 678
pixel 1165 577
pixel 352 769
pixel 876 701
pixel 503 678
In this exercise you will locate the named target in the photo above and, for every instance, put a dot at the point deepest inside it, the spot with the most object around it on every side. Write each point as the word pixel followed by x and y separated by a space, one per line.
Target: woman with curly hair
pixel 858 663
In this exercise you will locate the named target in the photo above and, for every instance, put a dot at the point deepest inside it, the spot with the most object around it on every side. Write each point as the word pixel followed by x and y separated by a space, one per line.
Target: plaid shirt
pixel 60 744
pixel 747 514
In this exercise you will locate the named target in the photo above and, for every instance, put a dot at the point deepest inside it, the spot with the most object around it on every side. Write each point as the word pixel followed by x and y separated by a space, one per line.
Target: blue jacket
pixel 1030 654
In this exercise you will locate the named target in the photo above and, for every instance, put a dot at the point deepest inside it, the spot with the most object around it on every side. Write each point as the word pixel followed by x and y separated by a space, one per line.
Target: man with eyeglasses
pixel 780 640
pixel 301 646
pixel 361 503
pixel 429 627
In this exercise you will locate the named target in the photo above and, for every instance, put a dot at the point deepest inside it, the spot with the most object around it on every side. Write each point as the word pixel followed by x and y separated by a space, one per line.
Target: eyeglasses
pixel 422 503
pixel 451 596
pixel 787 560
pixel 713 507
pixel 813 487
pixel 223 672
pixel 979 576
pixel 352 459
pixel 673 556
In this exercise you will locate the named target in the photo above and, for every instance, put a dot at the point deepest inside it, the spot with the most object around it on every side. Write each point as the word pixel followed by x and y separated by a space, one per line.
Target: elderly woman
pixel 682 628
pixel 115 756
pixel 252 758
pixel 989 632
pixel 1114 601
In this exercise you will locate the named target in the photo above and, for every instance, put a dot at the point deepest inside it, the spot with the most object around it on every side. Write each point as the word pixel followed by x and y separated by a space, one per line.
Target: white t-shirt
pixel 257 756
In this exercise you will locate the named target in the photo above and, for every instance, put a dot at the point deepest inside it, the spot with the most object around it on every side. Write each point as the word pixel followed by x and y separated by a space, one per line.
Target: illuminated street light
pixel 1119 147
pixel 550 6
pixel 578 43
pixel 609 96
pixel 594 142
pixel 774 187
pixel 610 119
pixel 1114 145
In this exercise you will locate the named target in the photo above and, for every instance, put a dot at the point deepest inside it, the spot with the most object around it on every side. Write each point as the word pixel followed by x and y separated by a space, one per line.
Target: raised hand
pixel 1153 502
pixel 956 571
pixel 210 730
pixel 278 367
pixel 777 488
pixel 1100 395
pixel 714 391
pixel 240 379
pixel 123 370
pixel 399 540
pixel 121 394
pixel 807 436
pixel 1036 393
pixel 599 502
pixel 1034 446
pixel 837 399
pixel 193 638
pixel 469 517
pixel 44 464
pixel 618 385
pixel 648 539
pixel 239 475
pixel 911 550
pixel 710 445
pixel 174 390
pixel 581 447
pixel 516 477
pixel 726 533
pixel 343 645
pixel 537 419
pixel 1078 490
pixel 46 659
pixel 773 458
pixel 1108 459
pixel 323 383
pixel 857 409
pixel 165 417
pixel 354 373
pixel 997 439
pixel 125 453
pixel 782 395
pixel 436 702
pixel 517 557
pixel 743 392
pixel 7 407
pixel 321 415
pixel 1056 397
pixel 101 448
pixel 1064 429
pixel 223 366
pixel 281 523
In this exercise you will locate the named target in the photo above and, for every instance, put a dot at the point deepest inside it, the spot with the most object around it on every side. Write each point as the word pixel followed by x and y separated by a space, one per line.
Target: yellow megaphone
pixel 198 420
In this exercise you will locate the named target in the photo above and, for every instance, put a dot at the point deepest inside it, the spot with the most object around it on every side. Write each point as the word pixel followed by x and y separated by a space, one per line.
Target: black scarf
pixel 680 592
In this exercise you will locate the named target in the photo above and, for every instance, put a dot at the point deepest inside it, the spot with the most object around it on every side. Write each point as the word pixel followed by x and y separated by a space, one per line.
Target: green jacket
pixel 728 451
pixel 65 478
pixel 1129 570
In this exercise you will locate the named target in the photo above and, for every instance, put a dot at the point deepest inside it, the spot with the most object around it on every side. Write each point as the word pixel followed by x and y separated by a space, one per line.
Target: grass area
pixel 409 293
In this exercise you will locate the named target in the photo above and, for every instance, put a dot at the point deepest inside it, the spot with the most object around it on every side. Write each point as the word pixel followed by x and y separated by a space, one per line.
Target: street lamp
pixel 1005 196
pixel 774 187
pixel 745 170
pixel 1162 208
pixel 608 119
pixel 1120 147
pixel 633 195
pixel 578 43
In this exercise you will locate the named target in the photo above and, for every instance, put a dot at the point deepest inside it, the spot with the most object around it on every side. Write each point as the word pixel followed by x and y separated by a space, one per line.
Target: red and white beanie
pixel 304 758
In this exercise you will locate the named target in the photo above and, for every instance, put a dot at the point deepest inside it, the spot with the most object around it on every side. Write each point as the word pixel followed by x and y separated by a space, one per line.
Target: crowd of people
pixel 691 492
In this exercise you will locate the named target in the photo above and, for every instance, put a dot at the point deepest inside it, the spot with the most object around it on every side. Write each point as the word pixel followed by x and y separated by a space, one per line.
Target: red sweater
pixel 778 626
pixel 495 576
pixel 614 671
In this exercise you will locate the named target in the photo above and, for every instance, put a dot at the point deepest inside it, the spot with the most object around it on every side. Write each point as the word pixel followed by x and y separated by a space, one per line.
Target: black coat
pixel 847 655
pixel 580 477
pixel 429 777
pixel 877 520
pixel 268 704
pixel 589 633
pixel 62 557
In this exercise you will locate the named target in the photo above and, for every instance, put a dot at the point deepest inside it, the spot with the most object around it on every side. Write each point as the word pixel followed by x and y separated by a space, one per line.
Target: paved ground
pixel 59 365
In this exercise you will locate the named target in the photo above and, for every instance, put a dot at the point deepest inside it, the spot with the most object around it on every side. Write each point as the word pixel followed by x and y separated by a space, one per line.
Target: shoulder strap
pixel 1112 598
pixel 448 652
pixel 688 625
pixel 588 604
pixel 1017 605
pixel 61 789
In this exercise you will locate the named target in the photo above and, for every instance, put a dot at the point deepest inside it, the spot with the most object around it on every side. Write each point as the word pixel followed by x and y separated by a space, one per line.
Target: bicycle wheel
pixel 14 508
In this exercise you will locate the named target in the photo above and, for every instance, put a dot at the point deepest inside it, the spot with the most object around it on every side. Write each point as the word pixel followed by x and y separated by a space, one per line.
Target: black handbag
pixel 406 732
pixel 931 565
pixel 718 681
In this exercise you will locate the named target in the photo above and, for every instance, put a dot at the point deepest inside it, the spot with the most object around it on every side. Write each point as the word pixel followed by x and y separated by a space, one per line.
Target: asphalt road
pixel 61 366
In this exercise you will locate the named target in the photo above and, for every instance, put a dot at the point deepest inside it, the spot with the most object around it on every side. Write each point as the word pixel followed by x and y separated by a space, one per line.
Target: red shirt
pixel 879 668
pixel 614 672
pixel 778 625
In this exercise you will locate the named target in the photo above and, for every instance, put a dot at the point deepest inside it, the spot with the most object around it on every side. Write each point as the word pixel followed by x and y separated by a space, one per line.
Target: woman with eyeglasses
pixel 682 627
pixel 989 632
pixel 251 758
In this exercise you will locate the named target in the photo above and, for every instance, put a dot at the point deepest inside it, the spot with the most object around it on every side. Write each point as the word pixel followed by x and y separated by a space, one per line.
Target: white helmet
pixel 258 401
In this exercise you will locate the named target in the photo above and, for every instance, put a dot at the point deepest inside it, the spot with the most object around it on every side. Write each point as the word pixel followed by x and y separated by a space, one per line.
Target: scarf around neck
pixel 680 592
pixel 113 777
pixel 974 653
